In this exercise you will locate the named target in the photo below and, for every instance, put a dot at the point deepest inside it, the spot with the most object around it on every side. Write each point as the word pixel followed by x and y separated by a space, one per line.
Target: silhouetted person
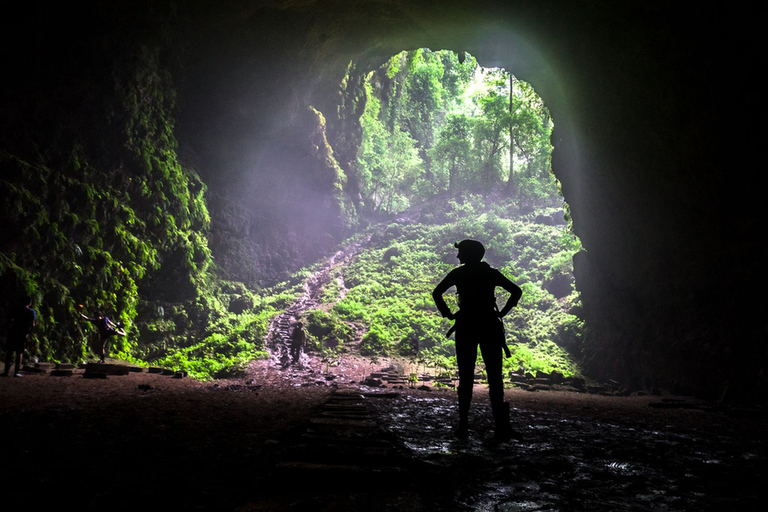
pixel 23 318
pixel 478 322
pixel 107 328
pixel 298 339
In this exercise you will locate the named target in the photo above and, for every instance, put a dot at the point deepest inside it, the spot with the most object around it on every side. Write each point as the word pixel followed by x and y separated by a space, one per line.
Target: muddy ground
pixel 154 442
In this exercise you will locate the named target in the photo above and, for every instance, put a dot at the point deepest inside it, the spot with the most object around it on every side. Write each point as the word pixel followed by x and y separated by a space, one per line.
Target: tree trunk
pixel 511 189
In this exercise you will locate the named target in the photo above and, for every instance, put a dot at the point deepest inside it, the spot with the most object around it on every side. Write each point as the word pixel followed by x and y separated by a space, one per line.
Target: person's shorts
pixel 108 333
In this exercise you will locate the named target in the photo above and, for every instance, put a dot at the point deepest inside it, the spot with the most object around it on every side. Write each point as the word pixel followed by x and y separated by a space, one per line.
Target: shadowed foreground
pixel 277 440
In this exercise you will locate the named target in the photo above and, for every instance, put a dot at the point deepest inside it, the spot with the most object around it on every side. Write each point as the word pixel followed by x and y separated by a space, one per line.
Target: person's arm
pixel 119 330
pixel 437 296
pixel 514 294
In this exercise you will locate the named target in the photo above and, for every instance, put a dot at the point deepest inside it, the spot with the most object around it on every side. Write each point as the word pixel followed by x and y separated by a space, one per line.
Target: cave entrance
pixel 450 143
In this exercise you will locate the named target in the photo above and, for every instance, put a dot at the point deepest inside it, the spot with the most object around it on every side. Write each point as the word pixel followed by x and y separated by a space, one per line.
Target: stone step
pixel 343 422
pixel 94 375
pixel 36 368
pixel 105 368
pixel 342 447
pixel 321 475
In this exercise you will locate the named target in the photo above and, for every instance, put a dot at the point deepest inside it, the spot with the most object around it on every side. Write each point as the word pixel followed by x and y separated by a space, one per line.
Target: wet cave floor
pixel 280 441
pixel 584 460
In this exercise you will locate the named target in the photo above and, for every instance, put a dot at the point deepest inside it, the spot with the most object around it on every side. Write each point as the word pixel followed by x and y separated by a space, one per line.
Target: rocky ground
pixel 299 439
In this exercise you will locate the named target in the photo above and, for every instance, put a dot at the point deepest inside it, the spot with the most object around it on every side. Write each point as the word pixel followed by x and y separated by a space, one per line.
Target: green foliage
pixel 408 99
pixel 123 231
pixel 236 325
pixel 107 216
pixel 435 124
pixel 327 329
pixel 390 287
pixel 388 162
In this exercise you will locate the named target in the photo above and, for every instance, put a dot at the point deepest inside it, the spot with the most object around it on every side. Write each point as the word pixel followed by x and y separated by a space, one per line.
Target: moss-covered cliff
pixel 96 208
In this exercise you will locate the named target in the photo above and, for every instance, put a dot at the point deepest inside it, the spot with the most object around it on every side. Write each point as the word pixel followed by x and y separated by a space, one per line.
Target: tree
pixel 437 121
pixel 511 188
pixel 492 127
pixel 388 162
pixel 531 144
pixel 452 152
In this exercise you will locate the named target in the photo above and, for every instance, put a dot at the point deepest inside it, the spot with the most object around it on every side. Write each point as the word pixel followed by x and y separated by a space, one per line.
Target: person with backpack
pixel 478 324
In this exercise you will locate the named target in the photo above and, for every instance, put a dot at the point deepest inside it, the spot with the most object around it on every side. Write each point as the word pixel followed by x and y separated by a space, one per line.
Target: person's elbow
pixel 515 295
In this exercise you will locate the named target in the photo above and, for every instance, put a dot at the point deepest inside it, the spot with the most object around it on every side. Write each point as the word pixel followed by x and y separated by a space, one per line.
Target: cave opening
pixel 438 136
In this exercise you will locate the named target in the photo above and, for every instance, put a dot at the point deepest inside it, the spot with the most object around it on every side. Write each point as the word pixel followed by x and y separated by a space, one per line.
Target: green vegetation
pixel 390 288
pixel 108 216
pixel 100 232
pixel 239 321
pixel 444 136
pixel 435 123
pixel 124 231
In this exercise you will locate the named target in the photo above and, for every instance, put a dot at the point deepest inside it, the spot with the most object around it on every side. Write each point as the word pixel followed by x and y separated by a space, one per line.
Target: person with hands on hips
pixel 478 323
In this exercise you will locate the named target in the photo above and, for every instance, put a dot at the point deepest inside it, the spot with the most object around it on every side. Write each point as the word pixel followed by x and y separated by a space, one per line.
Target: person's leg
pixel 19 354
pixel 492 357
pixel 8 361
pixel 493 369
pixel 103 349
pixel 466 356
pixel 14 346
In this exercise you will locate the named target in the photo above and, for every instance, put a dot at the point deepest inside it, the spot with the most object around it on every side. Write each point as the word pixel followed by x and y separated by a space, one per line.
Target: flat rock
pixel 106 368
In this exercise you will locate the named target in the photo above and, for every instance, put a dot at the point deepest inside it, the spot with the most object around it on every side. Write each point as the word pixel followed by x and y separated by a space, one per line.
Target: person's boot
pixel 504 430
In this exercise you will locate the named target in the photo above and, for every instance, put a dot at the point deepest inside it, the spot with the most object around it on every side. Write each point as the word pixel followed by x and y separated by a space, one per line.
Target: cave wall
pixel 655 125
pixel 95 208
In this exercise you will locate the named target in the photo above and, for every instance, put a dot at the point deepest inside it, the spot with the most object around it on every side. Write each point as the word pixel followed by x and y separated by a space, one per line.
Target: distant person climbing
pixel 106 327
pixel 298 340
pixel 478 322
pixel 22 319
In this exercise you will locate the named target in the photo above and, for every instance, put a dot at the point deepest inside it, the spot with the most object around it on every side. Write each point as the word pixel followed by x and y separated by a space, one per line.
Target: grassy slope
pixel 390 282
pixel 386 293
